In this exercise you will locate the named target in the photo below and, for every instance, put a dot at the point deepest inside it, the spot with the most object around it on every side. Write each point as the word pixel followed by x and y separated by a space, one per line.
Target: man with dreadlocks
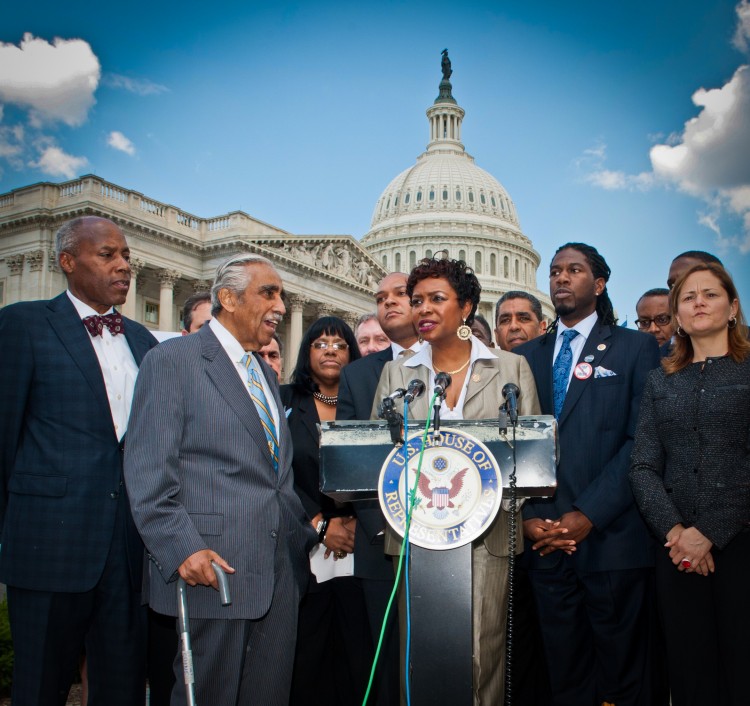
pixel 591 559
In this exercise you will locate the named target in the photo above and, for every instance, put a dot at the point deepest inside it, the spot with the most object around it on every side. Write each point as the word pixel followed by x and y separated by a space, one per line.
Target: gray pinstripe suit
pixel 200 476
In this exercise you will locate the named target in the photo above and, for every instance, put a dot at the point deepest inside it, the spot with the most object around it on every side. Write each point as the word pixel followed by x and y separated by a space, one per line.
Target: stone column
pixel 34 286
pixel 15 268
pixel 129 308
pixel 297 304
pixel 167 281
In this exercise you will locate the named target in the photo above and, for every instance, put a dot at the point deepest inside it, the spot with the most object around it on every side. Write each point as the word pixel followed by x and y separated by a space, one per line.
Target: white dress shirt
pixel 236 353
pixel 584 328
pixel 424 357
pixel 119 368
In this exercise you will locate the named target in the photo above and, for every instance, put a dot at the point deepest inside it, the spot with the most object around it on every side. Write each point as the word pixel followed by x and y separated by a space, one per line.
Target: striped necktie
pixel 561 370
pixel 261 404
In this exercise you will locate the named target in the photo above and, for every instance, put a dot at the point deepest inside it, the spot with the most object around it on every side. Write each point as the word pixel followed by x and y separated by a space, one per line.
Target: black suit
pixel 592 605
pixel 357 386
pixel 68 539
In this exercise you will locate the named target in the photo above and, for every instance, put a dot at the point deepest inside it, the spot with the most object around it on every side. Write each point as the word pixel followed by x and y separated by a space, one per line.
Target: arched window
pixel 398 261
pixel 493 265
pixel 407 198
pixel 428 254
pixel 445 194
pixel 395 202
pixel 388 204
pixel 483 199
pixel 517 273
pixel 412 259
pixel 432 194
pixel 471 197
pixel 419 196
pixel 506 267
pixel 385 261
pixel 494 205
pixel 458 194
pixel 462 255
pixel 478 262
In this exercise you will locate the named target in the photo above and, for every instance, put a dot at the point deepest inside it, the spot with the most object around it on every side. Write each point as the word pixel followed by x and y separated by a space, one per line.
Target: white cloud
pixel 741 38
pixel 708 159
pixel 118 141
pixel 56 162
pixel 139 86
pixel 55 81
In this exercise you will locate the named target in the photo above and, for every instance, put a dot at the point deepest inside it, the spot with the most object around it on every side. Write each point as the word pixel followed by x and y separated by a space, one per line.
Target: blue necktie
pixel 561 370
pixel 261 404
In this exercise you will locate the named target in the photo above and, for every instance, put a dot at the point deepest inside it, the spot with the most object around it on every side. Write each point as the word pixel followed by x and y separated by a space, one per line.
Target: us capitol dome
pixel 446 202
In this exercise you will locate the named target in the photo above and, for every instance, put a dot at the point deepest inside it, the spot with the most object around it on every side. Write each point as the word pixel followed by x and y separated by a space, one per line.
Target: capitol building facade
pixel 442 203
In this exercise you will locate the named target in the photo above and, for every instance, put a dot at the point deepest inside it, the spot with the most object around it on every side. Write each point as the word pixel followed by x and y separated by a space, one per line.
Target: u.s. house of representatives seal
pixel 458 493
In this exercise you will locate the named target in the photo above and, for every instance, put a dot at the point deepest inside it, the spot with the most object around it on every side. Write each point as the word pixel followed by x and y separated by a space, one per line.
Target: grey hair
pixel 234 276
pixel 364 319
pixel 67 236
pixel 536 305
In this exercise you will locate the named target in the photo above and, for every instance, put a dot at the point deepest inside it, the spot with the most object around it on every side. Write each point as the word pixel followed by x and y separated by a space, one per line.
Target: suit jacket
pixel 357 386
pixel 200 476
pixel 595 431
pixel 60 459
pixel 483 399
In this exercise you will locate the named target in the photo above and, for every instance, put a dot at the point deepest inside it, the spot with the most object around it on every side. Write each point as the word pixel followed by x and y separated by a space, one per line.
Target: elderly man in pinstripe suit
pixel 209 476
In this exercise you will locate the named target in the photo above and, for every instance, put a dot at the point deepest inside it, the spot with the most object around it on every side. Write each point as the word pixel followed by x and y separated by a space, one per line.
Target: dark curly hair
pixel 324 326
pixel 459 275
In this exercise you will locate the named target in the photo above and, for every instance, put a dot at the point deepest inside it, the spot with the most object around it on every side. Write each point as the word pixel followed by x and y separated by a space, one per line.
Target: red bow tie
pixel 95 324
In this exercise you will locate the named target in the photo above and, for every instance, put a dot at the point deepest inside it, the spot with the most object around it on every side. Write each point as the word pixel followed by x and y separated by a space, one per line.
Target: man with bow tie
pixel 69 551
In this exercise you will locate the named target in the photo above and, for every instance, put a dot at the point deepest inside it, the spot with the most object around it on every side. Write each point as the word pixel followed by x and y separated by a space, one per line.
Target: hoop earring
pixel 680 332
pixel 464 331
pixel 732 322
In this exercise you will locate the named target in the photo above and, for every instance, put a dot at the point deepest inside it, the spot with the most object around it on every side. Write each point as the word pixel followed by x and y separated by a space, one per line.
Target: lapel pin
pixel 601 347
pixel 475 377
pixel 589 358
pixel 583 371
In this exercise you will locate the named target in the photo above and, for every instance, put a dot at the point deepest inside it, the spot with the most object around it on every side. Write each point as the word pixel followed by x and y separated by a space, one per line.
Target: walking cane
pixel 184 621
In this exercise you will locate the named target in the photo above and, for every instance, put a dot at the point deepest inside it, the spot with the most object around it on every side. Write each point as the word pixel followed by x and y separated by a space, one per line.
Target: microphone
pixel 511 393
pixel 396 394
pixel 442 383
pixel 415 389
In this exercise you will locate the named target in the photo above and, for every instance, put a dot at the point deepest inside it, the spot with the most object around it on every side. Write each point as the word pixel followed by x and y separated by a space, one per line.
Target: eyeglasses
pixel 323 346
pixel 660 320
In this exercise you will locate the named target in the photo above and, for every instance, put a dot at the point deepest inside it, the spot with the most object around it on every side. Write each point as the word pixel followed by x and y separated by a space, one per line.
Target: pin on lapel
pixel 475 377
pixel 601 347
pixel 589 358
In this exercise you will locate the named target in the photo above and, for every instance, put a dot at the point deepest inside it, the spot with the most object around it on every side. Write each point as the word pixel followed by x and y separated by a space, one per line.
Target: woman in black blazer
pixel 690 473
pixel 332 656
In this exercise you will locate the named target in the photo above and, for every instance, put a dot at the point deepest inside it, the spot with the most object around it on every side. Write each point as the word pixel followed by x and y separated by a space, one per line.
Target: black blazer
pixel 60 459
pixel 357 386
pixel 596 431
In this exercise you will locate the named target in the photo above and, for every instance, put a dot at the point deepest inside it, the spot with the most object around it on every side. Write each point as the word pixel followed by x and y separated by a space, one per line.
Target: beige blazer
pixel 483 399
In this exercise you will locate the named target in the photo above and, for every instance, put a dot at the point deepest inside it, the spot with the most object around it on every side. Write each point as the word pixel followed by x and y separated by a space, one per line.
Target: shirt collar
pixel 84 309
pixel 424 355
pixel 228 342
pixel 398 349
pixel 584 327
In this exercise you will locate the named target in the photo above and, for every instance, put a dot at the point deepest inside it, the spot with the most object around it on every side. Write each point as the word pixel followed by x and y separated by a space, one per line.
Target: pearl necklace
pixel 330 400
pixel 452 372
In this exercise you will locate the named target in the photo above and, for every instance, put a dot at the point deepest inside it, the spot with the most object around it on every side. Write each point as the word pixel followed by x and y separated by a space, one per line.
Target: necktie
pixel 261 404
pixel 561 370
pixel 95 324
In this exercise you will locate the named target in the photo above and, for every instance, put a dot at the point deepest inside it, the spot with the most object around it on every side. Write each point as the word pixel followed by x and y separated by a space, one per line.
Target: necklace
pixel 452 372
pixel 326 399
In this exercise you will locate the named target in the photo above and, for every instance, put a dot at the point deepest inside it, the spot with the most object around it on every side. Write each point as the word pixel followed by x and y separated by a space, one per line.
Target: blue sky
pixel 624 125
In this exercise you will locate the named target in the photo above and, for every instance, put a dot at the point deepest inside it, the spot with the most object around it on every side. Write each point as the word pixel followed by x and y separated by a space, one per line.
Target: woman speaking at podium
pixel 444 298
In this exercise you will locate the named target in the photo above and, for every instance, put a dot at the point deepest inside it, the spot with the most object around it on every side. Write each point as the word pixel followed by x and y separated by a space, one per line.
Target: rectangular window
pixel 152 313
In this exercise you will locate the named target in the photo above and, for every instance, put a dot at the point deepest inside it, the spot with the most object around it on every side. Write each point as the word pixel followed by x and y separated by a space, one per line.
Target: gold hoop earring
pixel 680 332
pixel 464 331
pixel 732 322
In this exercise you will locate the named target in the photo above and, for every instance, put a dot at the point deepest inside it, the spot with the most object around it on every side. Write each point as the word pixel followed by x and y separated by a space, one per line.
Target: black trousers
pixel 334 647
pixel 596 634
pixel 707 627
pixel 50 631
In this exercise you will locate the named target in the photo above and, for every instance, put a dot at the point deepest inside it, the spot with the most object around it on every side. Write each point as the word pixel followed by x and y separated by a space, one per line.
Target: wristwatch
pixel 321 528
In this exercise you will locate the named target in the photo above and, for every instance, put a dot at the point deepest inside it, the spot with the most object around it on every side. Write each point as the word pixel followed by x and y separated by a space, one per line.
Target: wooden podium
pixel 352 455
